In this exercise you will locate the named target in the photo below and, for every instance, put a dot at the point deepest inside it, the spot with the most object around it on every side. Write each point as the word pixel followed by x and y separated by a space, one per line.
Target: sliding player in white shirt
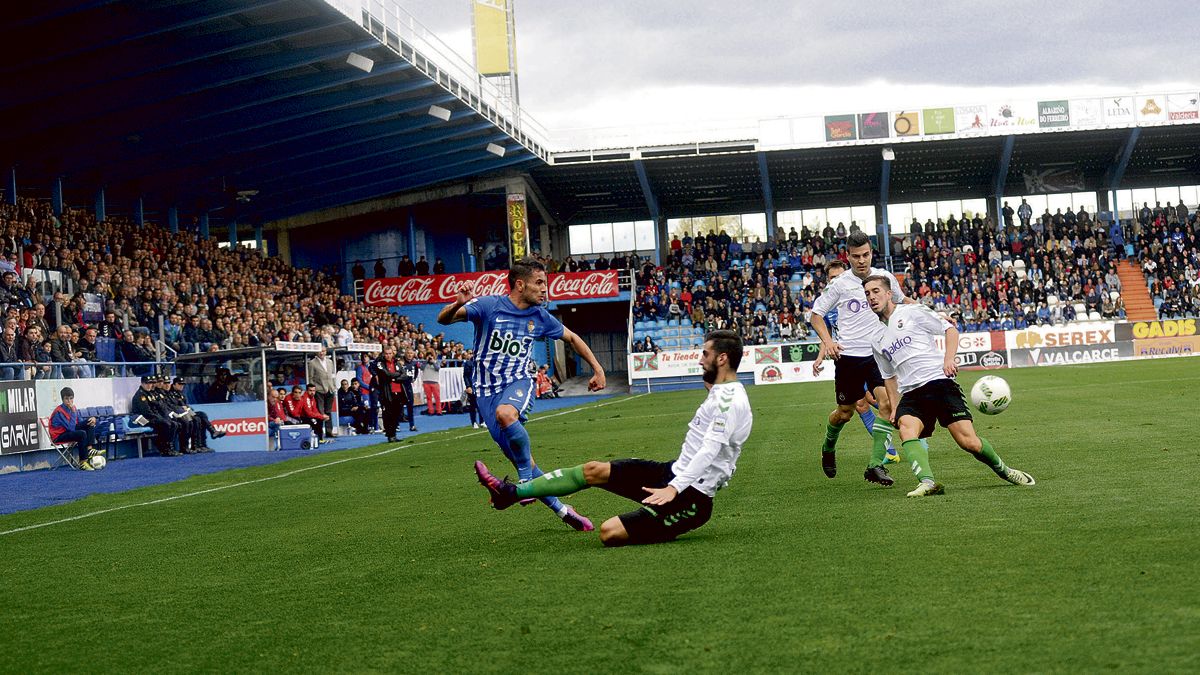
pixel 676 497
pixel 921 379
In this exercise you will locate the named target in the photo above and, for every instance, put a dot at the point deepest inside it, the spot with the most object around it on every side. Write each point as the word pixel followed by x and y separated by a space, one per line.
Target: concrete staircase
pixel 1138 305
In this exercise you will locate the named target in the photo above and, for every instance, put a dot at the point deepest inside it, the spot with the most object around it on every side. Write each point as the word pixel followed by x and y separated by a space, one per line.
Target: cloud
pixel 585 63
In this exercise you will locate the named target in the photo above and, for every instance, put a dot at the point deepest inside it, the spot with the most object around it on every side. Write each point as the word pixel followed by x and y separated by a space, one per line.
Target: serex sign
pixel 1097 333
pixel 441 288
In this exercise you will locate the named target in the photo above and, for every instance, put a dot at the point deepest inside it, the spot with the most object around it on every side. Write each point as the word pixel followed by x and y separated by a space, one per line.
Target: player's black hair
pixel 887 283
pixel 857 239
pixel 523 269
pixel 66 392
pixel 728 343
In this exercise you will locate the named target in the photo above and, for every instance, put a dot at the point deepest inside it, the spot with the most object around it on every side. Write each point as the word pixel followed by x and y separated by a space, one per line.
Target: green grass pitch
pixel 396 563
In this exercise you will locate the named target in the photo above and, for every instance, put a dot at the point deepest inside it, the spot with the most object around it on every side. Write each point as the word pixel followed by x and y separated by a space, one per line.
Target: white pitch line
pixel 293 472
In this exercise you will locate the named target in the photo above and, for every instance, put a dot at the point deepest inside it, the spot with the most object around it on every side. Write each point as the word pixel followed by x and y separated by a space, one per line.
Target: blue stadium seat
pixel 106 349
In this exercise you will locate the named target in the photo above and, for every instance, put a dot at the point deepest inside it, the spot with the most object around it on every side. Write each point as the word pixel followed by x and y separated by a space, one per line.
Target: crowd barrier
pixel 1080 342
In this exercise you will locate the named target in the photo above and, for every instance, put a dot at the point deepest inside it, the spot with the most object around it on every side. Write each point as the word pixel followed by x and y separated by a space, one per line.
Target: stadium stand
pixel 207 297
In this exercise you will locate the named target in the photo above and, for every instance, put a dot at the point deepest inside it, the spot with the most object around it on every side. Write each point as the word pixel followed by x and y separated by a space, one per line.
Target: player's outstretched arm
pixel 597 382
pixel 457 310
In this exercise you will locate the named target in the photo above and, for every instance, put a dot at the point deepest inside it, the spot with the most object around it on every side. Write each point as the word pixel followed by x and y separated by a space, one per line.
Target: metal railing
pixel 392 25
pixel 58 370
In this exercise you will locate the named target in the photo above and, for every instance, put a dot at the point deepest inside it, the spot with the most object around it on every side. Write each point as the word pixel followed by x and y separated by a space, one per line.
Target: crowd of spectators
pixel 1046 270
pixel 1168 246
pixel 120 281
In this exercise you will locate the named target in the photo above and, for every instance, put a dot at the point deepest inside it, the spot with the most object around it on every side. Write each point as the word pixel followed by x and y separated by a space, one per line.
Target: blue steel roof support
pixel 639 167
pixel 171 154
pixel 764 177
pixel 313 133
pixel 470 145
pixel 1001 178
pixel 193 50
pixel 293 170
pixel 1116 172
pixel 224 102
pixel 358 136
pixel 884 231
pixel 519 155
pixel 155 26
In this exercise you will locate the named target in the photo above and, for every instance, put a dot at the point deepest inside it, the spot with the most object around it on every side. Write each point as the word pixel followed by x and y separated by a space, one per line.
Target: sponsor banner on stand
pixel 1176 346
pixel 937 121
pixel 1086 112
pixel 978 350
pixel 1183 106
pixel 873 125
pixel 1053 114
pixel 906 123
pixel 1119 110
pixel 364 347
pixel 518 227
pixel 1140 330
pixel 971 119
pixel 1151 108
pixel 840 128
pixel 1062 356
pixel 787 373
pixel 799 353
pixel 19 428
pixel 441 288
pixel 1013 116
pixel 1091 333
pixel 1053 180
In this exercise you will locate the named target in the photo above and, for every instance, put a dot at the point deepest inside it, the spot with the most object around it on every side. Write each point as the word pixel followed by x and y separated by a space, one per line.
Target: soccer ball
pixel 97 461
pixel 991 395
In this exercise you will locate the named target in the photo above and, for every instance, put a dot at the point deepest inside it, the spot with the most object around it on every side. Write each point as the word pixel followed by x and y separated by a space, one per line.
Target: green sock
pixel 919 456
pixel 988 456
pixel 831 436
pixel 557 483
pixel 879 436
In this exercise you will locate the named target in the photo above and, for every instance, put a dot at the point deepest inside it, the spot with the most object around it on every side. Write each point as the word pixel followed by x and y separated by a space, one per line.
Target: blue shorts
pixel 519 394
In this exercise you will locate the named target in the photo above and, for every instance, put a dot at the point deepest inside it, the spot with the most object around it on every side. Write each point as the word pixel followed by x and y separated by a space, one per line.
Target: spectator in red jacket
pixel 66 426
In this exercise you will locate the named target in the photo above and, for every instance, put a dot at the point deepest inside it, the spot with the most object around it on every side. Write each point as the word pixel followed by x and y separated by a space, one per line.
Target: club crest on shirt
pixel 529 326
pixel 900 323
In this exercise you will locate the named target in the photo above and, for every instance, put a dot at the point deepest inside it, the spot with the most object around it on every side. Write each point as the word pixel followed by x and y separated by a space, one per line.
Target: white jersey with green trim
pixel 905 348
pixel 857 325
pixel 714 440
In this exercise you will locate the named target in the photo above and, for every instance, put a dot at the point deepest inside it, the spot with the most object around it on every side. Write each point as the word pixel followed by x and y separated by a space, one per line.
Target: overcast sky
pixel 622 63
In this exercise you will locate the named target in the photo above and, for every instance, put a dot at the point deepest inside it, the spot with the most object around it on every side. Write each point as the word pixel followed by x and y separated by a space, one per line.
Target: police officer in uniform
pixel 178 401
pixel 147 405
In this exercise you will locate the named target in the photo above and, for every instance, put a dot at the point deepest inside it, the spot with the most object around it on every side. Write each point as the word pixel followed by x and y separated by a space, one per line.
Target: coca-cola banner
pixel 441 288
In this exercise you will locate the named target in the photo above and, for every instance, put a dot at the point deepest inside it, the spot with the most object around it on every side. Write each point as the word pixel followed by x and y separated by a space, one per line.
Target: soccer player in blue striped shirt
pixel 506 327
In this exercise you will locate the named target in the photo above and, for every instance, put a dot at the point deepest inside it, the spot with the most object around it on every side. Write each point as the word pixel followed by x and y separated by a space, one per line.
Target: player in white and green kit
pixel 855 371
pixel 921 379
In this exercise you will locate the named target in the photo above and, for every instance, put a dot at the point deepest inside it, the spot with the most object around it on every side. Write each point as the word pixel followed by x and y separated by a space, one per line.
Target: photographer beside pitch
pixel 677 496
pixel 921 379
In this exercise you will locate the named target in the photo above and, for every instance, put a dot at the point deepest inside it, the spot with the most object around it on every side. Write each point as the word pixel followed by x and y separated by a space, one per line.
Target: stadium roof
pixel 192 103
pixel 736 177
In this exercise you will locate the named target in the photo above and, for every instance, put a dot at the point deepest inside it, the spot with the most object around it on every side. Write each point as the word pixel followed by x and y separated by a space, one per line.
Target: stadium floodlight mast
pixel 439 112
pixel 361 62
